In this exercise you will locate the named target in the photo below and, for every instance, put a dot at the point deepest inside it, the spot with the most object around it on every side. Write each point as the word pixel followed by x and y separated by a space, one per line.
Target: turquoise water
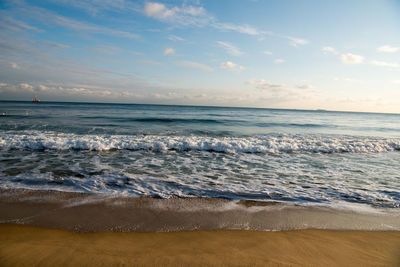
pixel 304 157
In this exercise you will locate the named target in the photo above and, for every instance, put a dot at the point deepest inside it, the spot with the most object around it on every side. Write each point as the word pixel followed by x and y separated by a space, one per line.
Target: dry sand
pixel 29 246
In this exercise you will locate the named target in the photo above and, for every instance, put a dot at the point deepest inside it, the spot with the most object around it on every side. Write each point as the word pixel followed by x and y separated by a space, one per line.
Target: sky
pixel 296 54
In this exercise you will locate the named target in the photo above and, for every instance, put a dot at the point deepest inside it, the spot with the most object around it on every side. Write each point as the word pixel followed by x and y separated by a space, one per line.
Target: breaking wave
pixel 273 143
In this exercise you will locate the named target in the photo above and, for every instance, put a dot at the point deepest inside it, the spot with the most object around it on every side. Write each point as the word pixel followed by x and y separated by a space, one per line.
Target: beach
pixel 29 246
pixel 69 229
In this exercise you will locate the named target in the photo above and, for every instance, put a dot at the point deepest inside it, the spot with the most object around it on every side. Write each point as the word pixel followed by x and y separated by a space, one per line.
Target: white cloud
pixel 347 79
pixel 388 49
pixel 12 24
pixel 351 58
pixel 279 61
pixel 149 62
pixel 48 17
pixel 60 91
pixel 184 15
pixel 267 53
pixel 169 51
pixel 136 53
pixel 195 65
pixel 228 64
pixel 93 7
pixel 276 94
pixel 230 48
pixel 231 65
pixel 396 82
pixel 304 86
pixel 385 64
pixel 15 66
pixel 169 95
pixel 246 29
pixel 294 41
pixel 57 45
pixel 159 11
pixel 26 87
pixel 330 49
pixel 264 84
pixel 175 38
pixel 194 11
pixel 43 88
pixel 191 15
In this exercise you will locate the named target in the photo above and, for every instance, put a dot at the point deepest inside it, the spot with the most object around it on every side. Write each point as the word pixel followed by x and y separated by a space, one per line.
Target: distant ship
pixel 35 100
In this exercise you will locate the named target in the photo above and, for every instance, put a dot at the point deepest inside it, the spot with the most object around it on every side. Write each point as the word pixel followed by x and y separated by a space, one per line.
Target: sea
pixel 302 157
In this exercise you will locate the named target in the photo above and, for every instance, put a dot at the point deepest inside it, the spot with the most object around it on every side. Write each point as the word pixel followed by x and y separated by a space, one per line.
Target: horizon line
pixel 206 106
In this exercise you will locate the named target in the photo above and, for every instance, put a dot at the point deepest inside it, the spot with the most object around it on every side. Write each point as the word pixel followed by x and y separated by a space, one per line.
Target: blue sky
pixel 305 54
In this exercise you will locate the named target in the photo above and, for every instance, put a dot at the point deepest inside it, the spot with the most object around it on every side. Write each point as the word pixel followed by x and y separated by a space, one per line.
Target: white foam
pixel 33 140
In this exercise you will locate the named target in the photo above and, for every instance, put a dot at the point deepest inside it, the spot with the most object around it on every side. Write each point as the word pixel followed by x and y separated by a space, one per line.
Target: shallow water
pixel 303 157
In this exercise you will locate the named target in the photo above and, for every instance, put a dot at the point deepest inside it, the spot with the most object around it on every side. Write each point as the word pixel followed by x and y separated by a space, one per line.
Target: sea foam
pixel 273 143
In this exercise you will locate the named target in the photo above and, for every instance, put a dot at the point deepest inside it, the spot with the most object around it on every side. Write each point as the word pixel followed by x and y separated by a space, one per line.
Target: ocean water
pixel 323 158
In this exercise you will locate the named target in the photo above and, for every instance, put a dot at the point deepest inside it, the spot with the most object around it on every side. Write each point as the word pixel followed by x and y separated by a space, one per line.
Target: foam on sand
pixel 93 213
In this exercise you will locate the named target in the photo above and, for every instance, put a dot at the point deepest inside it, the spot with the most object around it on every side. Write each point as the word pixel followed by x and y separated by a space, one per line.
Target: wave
pixel 164 120
pixel 295 125
pixel 175 120
pixel 273 143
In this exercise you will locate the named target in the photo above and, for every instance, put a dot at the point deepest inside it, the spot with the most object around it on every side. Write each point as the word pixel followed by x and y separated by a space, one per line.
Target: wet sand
pixel 29 246
pixel 79 212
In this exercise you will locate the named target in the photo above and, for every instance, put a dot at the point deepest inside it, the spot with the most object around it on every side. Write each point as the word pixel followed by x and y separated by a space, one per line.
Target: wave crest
pixel 261 144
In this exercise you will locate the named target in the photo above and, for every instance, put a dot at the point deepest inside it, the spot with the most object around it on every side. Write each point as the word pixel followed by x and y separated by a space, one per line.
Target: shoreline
pixel 80 212
pixel 51 228
pixel 32 246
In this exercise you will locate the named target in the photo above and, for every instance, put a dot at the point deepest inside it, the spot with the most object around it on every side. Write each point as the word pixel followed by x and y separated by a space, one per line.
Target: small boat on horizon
pixel 35 100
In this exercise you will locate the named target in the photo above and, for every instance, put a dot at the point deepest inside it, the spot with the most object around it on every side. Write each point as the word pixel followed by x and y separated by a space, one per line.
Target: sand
pixel 42 228
pixel 30 246
pixel 79 212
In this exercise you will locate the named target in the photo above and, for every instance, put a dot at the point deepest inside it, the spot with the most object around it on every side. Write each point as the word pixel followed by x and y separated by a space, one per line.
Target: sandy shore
pixel 101 213
pixel 29 246
pixel 41 228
